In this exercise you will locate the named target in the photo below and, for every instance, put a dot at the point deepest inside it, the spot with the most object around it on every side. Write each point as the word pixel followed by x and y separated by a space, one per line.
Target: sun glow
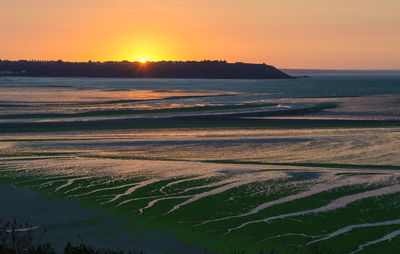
pixel 143 60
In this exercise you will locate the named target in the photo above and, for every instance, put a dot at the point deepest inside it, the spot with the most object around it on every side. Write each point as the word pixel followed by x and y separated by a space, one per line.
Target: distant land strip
pixel 163 69
pixel 305 72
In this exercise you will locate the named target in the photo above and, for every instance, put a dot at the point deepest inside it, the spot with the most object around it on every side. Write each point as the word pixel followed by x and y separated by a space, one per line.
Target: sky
pixel 322 34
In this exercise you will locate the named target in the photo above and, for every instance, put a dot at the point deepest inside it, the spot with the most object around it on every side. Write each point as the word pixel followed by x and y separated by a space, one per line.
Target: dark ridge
pixel 128 112
pixel 125 69
pixel 191 122
pixel 299 164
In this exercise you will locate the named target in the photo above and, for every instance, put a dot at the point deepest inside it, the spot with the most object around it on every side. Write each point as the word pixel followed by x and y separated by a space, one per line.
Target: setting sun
pixel 143 60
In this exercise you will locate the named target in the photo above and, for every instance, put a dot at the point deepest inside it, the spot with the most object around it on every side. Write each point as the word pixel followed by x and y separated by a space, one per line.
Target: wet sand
pixel 60 222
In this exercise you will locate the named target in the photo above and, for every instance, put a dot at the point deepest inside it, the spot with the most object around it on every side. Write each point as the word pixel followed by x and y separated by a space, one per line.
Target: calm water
pixel 40 95
pixel 254 165
pixel 315 86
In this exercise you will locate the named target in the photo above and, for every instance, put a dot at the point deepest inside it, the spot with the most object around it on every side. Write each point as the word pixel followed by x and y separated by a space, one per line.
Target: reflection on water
pixel 208 165
pixel 50 97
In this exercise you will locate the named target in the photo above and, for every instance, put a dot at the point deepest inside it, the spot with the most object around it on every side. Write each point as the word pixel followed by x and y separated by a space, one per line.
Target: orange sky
pixel 341 34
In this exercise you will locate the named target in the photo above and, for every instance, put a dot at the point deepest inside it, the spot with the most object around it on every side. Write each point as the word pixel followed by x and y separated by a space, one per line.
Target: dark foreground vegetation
pixel 18 238
pixel 68 249
pixel 126 69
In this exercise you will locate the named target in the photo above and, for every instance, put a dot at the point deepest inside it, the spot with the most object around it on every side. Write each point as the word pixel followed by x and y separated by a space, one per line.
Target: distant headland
pixel 302 72
pixel 163 69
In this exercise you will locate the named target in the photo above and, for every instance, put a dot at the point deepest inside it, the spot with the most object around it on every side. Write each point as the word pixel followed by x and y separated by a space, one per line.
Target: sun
pixel 143 60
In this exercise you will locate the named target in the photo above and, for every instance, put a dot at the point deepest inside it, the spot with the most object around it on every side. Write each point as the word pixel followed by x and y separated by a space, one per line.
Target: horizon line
pixel 204 60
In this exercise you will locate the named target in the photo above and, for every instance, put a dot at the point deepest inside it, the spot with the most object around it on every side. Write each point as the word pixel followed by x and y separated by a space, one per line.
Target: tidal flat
pixel 210 166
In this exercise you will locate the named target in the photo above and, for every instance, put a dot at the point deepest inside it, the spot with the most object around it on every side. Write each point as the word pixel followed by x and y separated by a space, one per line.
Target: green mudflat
pixel 205 166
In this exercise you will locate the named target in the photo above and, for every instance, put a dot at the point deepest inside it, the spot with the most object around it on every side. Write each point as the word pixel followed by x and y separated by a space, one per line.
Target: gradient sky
pixel 340 34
